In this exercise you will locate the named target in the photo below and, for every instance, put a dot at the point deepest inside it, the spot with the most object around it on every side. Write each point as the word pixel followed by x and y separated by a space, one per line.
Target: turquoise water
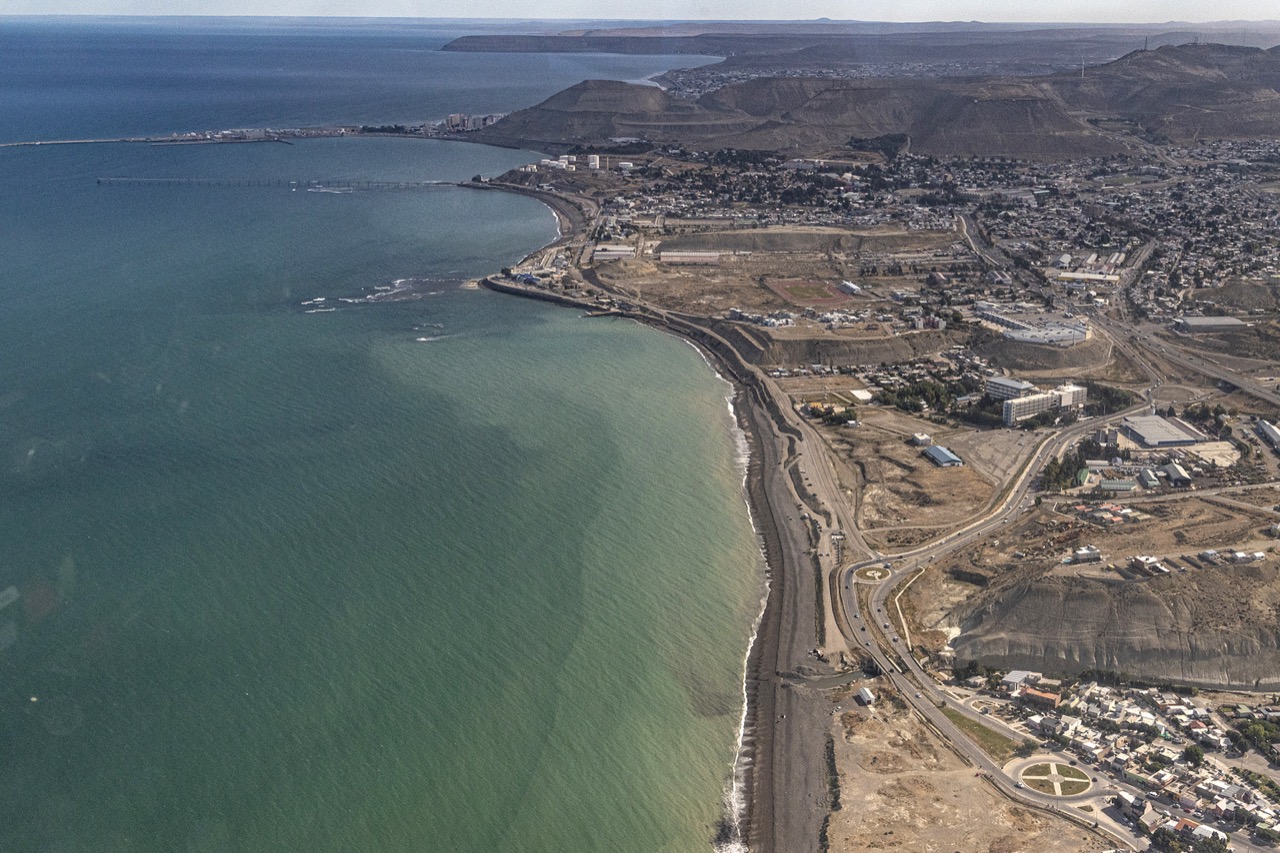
pixel 302 581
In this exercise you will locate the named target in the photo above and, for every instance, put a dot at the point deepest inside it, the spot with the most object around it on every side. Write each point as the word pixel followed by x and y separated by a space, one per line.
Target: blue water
pixel 128 78
pixel 457 573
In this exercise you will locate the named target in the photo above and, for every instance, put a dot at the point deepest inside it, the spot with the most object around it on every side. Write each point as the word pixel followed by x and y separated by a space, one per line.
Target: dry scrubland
pixel 1202 624
pixel 901 497
pixel 903 790
pixel 757 265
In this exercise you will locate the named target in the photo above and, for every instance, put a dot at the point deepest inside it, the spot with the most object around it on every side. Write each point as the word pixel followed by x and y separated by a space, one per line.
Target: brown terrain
pixel 1176 93
pixel 903 499
pixel 1011 599
pixel 902 789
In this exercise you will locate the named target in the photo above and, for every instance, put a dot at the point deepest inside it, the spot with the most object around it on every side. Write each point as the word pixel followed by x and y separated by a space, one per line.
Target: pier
pixel 277 183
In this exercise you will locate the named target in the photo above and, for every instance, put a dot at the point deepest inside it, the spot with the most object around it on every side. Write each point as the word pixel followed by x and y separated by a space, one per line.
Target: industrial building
pixel 1269 433
pixel 1177 475
pixel 613 253
pixel 943 458
pixel 1207 324
pixel 1000 388
pixel 865 696
pixel 1155 431
pixel 1058 334
pixel 1087 554
pixel 703 258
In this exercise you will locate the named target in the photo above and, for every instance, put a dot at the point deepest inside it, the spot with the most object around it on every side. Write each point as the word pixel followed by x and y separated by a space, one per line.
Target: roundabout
pixel 1055 778
pixel 872 574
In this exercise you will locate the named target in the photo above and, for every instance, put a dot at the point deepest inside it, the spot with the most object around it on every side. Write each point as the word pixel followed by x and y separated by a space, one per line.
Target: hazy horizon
pixel 1150 12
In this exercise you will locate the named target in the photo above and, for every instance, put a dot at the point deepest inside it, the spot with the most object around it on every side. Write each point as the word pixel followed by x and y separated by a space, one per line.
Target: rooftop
pixel 1154 431
pixel 939 455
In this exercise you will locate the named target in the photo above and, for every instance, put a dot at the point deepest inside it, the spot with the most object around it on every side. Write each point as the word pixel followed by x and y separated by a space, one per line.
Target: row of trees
pixel 1060 474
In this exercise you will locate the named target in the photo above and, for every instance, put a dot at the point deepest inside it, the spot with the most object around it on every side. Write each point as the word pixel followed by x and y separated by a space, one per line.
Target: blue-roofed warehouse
pixel 942 457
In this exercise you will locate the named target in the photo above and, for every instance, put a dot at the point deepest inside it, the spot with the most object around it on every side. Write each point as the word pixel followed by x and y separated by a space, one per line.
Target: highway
pixel 876 632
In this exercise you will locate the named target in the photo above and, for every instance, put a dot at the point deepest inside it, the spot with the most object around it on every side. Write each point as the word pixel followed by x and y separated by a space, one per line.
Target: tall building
pixel 1021 408
pixel 1000 388
pixel 1070 396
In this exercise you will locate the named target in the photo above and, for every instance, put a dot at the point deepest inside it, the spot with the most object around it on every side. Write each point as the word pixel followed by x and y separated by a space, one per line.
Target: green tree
pixel 1193 755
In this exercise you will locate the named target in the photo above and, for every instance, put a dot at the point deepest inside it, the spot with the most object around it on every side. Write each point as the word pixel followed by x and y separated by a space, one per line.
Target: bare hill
pixel 1019 356
pixel 941 117
pixel 1173 92
pixel 1204 628
pixel 794 352
pixel 1249 296
pixel 1183 91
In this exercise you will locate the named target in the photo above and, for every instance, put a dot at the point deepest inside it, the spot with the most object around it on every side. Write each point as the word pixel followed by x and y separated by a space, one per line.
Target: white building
pixel 1000 388
pixel 1021 408
pixel 1071 396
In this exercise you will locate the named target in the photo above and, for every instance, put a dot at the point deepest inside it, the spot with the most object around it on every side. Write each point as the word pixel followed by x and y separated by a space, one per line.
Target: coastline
pixel 779 771
pixel 779 762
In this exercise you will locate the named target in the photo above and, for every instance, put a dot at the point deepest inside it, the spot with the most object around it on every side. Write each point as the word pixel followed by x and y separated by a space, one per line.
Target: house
pixel 1131 805
pixel 1040 698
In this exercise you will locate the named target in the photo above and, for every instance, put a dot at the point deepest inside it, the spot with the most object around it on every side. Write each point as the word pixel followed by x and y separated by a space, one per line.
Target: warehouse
pixel 942 457
pixel 1269 433
pixel 1192 325
pixel 1155 431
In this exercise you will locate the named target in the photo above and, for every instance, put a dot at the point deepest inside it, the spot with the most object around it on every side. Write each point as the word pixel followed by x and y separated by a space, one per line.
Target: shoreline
pixel 780 740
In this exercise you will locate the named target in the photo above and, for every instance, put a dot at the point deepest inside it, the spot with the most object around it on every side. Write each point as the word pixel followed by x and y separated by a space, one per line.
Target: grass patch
pixel 809 291
pixel 1070 772
pixel 1037 770
pixel 999 747
pixel 1044 786
pixel 1074 787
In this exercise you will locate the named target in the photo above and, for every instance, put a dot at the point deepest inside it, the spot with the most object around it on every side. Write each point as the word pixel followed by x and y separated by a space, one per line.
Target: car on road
pixel 1019 785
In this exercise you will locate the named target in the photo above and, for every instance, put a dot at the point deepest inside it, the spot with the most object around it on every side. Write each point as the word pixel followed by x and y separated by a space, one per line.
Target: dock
pixel 276 183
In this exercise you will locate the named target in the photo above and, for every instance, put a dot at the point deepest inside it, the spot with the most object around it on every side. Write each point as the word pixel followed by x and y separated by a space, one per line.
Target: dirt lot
pixel 771 269
pixel 902 789
pixel 902 497
pixel 1178 528
pixel 832 388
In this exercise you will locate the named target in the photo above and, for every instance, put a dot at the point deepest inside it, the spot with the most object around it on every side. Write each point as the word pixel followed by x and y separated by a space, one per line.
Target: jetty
pixel 281 183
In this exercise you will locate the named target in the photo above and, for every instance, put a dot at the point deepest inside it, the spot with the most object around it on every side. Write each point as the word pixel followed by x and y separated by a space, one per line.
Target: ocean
pixel 286 564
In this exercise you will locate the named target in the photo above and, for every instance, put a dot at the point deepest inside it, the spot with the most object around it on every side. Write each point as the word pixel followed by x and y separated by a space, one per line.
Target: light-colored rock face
pixel 1218 630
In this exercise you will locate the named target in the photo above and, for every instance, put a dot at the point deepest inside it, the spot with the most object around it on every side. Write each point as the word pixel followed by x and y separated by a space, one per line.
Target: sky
pixel 1097 11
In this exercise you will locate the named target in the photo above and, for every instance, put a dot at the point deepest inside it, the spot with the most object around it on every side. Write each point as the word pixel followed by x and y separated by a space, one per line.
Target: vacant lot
pixel 999 747
pixel 903 790
pixel 902 497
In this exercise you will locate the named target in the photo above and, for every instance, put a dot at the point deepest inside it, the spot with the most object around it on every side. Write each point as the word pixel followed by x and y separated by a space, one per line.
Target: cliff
pixel 1214 628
